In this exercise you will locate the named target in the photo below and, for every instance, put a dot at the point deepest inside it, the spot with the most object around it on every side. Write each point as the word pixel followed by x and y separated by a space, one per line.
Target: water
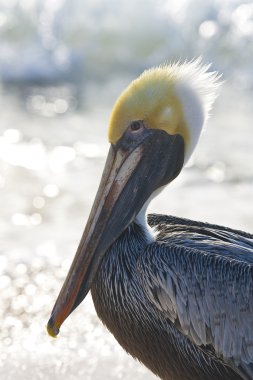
pixel 62 40
pixel 62 65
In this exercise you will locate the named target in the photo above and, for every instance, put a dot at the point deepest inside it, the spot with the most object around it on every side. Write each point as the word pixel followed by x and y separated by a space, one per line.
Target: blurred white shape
pixel 216 172
pixel 40 278
pixel 21 269
pixel 91 150
pixel 38 202
pixel 60 106
pixel 19 219
pixel 31 156
pixel 51 190
pixel 13 322
pixel 35 327
pixel 41 302
pixel 37 264
pixel 20 302
pixel 208 29
pixel 4 281
pixel 35 219
pixel 47 107
pixel 30 289
pixel 243 19
pixel 12 135
pixel 60 156
pixel 47 249
pixel 88 150
pixel 82 352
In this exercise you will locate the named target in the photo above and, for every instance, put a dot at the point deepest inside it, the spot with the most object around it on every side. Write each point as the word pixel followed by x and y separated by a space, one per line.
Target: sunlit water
pixel 62 66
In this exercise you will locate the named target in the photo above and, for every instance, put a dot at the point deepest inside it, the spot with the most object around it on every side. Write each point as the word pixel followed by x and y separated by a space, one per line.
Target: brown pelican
pixel 176 294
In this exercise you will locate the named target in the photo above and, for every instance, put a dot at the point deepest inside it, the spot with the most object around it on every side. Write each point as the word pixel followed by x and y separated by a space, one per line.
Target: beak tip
pixel 52 328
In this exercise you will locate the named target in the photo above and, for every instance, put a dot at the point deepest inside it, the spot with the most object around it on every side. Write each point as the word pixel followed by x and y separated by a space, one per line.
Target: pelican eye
pixel 136 126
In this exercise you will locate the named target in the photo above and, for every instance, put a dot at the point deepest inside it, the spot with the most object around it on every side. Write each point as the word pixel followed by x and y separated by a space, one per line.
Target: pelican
pixel 176 294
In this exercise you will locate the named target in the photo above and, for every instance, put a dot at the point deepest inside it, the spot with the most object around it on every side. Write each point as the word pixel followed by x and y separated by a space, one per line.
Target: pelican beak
pixel 136 166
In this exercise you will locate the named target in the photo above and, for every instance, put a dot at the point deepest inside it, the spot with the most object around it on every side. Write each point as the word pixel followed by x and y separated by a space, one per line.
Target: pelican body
pixel 176 294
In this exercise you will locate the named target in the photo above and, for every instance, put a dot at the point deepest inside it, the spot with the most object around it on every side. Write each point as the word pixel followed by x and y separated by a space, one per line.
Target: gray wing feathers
pixel 208 297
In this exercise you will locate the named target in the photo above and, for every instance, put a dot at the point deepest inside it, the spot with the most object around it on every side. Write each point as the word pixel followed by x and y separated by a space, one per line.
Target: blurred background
pixel 62 65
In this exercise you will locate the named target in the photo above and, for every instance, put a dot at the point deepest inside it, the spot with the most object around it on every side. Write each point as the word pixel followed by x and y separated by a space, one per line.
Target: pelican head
pixel 154 128
pixel 173 98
